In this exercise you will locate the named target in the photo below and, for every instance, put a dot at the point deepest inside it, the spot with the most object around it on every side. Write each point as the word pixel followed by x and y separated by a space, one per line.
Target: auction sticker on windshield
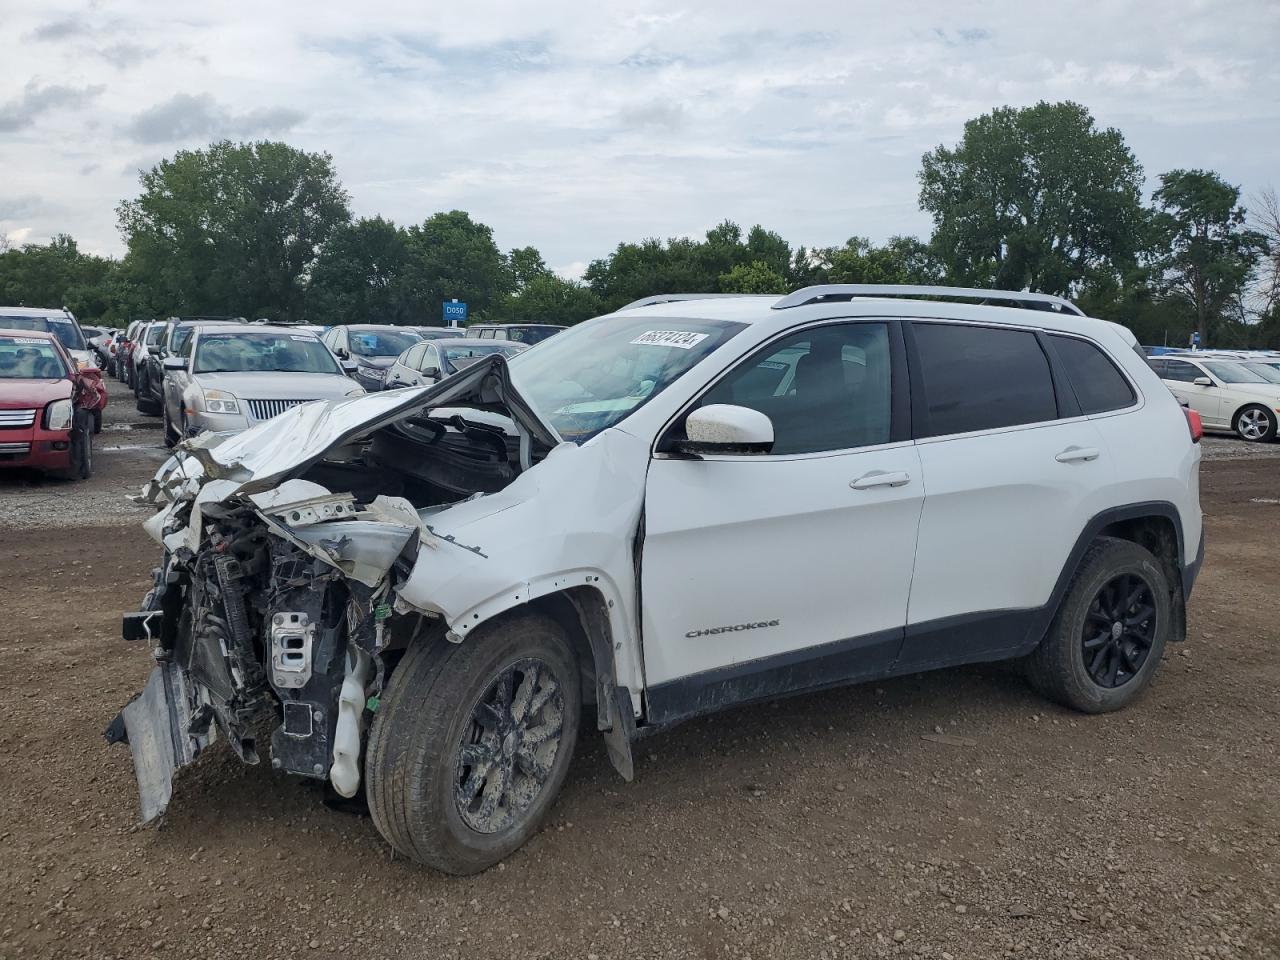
pixel 670 338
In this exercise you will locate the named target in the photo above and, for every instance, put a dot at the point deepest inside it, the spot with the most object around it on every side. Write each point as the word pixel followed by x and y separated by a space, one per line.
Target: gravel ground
pixel 948 815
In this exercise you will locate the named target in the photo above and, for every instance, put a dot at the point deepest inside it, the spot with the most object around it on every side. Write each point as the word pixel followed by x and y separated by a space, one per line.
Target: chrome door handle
pixel 878 478
pixel 1078 454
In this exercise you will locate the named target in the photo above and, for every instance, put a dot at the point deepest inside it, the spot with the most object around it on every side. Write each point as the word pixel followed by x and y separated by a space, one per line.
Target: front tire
pixel 472 742
pixel 1106 641
pixel 81 465
pixel 1255 423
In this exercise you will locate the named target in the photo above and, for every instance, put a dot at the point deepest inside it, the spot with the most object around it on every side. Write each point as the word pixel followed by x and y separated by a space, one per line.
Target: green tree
pixel 1208 251
pixel 524 265
pixel 58 274
pixel 233 228
pixel 754 277
pixel 1035 198
pixel 451 255
pixel 359 276
pixel 901 260
pixel 684 265
pixel 550 299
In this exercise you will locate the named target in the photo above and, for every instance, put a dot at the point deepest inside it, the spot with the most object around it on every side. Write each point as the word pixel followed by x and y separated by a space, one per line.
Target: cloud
pixel 37 100
pixel 61 29
pixel 125 54
pixel 17 208
pixel 185 117
pixel 653 115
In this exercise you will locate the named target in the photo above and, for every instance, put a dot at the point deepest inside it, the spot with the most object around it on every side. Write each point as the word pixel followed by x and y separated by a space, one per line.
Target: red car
pixel 46 406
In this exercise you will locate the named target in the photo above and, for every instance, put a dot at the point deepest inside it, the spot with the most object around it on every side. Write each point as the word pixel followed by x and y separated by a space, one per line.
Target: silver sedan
pixel 232 376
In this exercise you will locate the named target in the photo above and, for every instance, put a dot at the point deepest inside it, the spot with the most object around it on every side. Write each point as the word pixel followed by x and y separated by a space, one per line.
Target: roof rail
pixel 676 297
pixel 848 291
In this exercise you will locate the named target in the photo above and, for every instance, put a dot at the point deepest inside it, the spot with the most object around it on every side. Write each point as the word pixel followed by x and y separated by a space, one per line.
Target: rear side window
pixel 1098 385
pixel 982 378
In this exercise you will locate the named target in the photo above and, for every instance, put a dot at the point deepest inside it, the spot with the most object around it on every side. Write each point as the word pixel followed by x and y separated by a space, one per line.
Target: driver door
pixel 768 574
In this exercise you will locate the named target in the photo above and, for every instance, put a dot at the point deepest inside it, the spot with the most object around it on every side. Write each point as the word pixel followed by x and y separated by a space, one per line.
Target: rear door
pixel 1014 472
pixel 764 574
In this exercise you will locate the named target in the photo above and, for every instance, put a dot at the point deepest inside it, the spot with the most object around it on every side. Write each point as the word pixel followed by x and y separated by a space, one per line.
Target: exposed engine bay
pixel 277 601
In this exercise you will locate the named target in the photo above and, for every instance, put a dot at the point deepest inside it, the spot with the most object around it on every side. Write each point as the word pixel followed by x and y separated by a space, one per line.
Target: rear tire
pixel 458 777
pixel 1109 634
pixel 1254 423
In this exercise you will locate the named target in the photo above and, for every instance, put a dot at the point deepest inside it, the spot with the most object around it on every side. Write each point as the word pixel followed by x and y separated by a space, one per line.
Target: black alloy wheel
pixel 509 746
pixel 1119 630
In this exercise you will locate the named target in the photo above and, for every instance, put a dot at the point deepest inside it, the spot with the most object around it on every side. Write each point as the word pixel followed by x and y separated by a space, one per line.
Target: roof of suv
pixel 760 309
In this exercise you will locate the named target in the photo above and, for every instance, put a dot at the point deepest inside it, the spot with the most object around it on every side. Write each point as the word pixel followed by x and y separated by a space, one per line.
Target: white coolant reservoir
pixel 345 772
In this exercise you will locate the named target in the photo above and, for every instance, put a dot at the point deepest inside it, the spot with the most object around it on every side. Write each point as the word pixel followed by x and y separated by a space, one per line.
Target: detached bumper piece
pixel 165 731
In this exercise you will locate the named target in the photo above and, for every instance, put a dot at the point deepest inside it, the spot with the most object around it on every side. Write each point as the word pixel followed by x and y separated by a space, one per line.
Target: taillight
pixel 1194 424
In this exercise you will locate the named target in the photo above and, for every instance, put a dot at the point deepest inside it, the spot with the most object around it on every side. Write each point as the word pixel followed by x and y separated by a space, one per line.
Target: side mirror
pixel 726 428
pixel 1202 382
pixel 348 366
pixel 175 363
pixel 432 372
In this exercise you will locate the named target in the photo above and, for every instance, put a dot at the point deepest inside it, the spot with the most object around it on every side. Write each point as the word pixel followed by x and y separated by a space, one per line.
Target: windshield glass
pixel 1265 370
pixel 29 358
pixel 155 335
pixel 381 343
pixel 64 328
pixel 262 352
pixel 594 375
pixel 1233 373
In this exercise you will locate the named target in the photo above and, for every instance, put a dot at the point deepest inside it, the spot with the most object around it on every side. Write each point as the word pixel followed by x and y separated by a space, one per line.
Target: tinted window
pixel 824 389
pixel 1098 385
pixel 1181 370
pixel 981 378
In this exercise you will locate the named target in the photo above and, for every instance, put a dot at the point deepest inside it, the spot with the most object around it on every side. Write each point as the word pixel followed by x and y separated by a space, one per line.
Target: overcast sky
pixel 572 126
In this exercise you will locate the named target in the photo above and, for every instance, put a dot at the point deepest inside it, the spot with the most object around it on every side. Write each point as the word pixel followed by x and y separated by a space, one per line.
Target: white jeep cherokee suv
pixel 687 504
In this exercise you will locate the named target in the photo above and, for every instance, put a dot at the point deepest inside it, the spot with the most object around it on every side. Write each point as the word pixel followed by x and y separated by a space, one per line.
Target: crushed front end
pixel 272 609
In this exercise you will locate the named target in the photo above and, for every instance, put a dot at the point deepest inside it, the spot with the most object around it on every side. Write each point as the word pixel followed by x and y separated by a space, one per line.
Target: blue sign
pixel 1195 337
pixel 455 312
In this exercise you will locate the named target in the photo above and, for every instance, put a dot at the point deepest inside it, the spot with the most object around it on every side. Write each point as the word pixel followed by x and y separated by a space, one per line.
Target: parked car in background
pixel 777 495
pixel 437 333
pixel 526 333
pixel 433 360
pixel 123 346
pixel 234 376
pixel 146 358
pixel 1226 393
pixel 372 347
pixel 96 338
pixel 60 322
pixel 172 335
pixel 47 405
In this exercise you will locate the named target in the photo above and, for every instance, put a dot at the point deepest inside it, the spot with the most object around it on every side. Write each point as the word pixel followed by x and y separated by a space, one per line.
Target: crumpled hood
pixel 267 454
